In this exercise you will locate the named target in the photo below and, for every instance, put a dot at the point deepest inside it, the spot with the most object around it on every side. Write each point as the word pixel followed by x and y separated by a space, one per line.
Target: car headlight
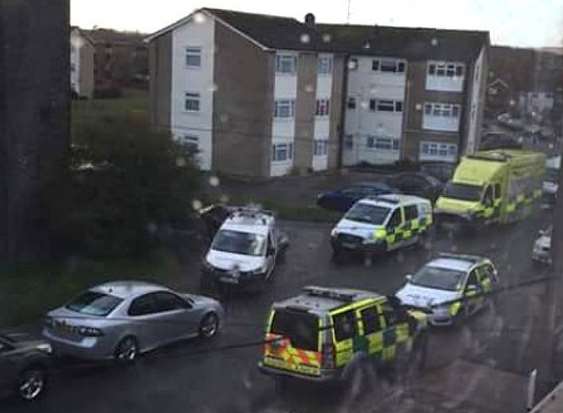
pixel 334 233
pixel 45 348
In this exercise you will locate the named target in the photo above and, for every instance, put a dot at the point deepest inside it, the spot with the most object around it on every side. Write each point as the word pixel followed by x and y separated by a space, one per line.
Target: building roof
pixel 102 36
pixel 287 33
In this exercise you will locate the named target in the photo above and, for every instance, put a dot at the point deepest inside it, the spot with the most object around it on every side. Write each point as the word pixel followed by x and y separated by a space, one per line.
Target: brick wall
pixel 242 106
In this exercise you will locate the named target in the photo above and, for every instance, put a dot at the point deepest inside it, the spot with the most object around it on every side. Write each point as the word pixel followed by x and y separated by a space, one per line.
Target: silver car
pixel 119 320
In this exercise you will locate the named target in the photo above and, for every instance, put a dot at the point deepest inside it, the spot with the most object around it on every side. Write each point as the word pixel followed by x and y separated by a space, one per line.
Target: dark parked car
pixel 417 183
pixel 24 363
pixel 342 199
pixel 442 171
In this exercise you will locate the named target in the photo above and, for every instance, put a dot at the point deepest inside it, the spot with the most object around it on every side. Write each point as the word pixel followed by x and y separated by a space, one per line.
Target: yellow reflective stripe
pixel 402 333
pixel 520 198
pixel 389 352
pixel 511 208
pixel 380 233
pixel 454 308
pixel 415 224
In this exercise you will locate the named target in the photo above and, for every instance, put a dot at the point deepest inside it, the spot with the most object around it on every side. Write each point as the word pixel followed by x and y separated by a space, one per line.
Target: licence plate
pixel 348 245
pixel 229 280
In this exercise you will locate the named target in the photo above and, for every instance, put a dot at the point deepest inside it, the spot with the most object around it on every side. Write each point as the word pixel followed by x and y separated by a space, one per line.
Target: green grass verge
pixel 133 103
pixel 27 292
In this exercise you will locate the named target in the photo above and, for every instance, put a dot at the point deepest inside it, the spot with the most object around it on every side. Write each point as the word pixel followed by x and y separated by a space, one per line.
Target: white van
pixel 382 224
pixel 244 250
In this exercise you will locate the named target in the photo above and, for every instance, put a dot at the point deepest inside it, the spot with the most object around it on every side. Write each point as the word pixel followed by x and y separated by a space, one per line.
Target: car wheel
pixel 127 350
pixel 31 383
pixel 209 326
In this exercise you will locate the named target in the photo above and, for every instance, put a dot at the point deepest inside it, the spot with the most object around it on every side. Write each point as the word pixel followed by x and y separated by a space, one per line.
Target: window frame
pixel 286 103
pixel 137 299
pixel 322 107
pixel 376 318
pixel 192 97
pixel 288 148
pixel 281 60
pixel 388 65
pixel 320 147
pixel 445 69
pixel 351 103
pixel 386 105
pixel 193 51
pixel 327 66
pixel 184 305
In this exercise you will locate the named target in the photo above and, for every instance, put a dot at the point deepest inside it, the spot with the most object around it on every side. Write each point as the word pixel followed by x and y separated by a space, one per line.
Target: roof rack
pixel 497 156
pixel 251 211
pixel 465 257
pixel 329 293
pixel 380 198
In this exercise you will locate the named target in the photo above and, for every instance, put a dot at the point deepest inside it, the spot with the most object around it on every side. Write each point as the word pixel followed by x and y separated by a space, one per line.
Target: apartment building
pixel 81 64
pixel 265 96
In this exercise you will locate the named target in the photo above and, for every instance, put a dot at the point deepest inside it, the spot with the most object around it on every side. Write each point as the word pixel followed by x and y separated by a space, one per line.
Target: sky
pixel 523 23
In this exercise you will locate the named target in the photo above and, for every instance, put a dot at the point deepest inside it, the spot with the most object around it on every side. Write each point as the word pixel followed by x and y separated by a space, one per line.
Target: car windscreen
pixel 463 192
pixel 94 303
pixel 238 242
pixel 369 214
pixel 300 327
pixel 438 278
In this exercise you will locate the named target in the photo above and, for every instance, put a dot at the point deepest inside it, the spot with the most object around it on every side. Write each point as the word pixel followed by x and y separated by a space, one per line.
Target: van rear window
pixel 301 328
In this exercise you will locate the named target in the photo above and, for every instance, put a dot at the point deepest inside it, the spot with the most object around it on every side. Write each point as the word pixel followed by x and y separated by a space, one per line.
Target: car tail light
pixel 328 355
pixel 90 332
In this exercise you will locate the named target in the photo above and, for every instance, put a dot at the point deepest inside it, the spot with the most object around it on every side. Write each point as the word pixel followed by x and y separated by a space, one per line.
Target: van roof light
pixel 329 293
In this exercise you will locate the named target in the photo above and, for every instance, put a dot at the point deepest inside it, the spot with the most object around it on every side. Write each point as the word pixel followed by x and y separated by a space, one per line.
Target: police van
pixel 383 223
pixel 325 334
pixel 450 288
pixel 245 250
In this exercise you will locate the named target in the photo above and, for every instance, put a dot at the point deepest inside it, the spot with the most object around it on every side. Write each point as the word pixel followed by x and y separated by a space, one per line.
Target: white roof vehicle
pixel 244 250
pixel 450 287
pixel 382 223
pixel 542 247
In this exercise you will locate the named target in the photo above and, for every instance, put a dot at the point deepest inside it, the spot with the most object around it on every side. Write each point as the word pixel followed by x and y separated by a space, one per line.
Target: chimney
pixel 310 19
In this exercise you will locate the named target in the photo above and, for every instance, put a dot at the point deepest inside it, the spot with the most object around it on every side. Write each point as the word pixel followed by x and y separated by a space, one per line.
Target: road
pixel 211 377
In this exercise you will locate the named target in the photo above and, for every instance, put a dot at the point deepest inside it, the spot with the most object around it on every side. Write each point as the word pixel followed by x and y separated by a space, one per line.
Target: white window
pixel 320 147
pixel 192 102
pixel 193 57
pixel 286 64
pixel 441 116
pixel 282 152
pixel 191 142
pixel 388 65
pixel 351 102
pixel 385 105
pixel 382 143
pixel 445 69
pixel 447 110
pixel 438 151
pixel 324 65
pixel 353 64
pixel 323 107
pixel 284 108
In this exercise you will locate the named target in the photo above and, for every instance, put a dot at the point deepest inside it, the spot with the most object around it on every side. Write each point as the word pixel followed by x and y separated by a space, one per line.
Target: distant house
pixel 121 59
pixel 263 96
pixel 81 64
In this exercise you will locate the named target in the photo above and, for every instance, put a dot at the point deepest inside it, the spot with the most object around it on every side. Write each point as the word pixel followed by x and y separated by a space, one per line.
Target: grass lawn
pixel 134 102
pixel 27 292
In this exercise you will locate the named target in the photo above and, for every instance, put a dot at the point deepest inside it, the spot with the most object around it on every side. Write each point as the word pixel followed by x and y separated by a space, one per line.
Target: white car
pixel 383 223
pixel 542 247
pixel 450 288
pixel 244 250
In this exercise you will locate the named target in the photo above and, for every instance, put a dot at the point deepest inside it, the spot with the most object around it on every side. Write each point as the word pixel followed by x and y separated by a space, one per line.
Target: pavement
pixel 479 367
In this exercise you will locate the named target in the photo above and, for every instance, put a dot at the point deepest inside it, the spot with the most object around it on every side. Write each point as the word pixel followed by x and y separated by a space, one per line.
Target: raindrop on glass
pixel 224 118
pixel 364 104
pixel 213 181
pixel 199 17
pixel 213 88
pixel 512 102
pixel 196 204
pixel 305 38
pixel 180 162
pixel 224 199
pixel 309 88
pixel 152 228
pixel 434 42
pixel 327 38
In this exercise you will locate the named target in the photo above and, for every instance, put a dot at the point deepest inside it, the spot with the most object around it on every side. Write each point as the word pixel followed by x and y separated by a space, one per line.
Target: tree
pixel 124 182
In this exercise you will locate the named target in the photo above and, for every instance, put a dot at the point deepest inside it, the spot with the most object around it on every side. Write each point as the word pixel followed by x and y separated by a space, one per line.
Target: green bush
pixel 124 182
